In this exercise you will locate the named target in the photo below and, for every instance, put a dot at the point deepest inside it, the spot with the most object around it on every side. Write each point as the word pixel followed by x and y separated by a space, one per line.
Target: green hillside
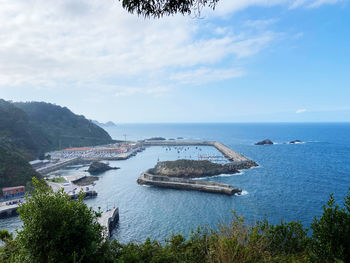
pixel 63 128
pixel 28 130
pixel 15 170
pixel 18 134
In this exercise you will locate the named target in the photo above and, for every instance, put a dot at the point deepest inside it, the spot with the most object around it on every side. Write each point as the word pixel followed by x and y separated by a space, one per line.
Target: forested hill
pixel 62 127
pixel 28 130
pixel 15 170
pixel 18 134
pixel 32 128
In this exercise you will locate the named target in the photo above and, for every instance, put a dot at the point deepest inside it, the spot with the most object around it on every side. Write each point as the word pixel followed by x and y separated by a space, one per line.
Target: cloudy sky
pixel 249 60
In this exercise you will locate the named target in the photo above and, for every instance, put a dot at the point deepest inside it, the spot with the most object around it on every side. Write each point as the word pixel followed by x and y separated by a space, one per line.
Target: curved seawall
pixel 233 156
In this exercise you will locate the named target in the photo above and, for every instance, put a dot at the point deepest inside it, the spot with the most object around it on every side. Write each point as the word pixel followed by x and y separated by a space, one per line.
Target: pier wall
pixel 8 211
pixel 109 219
pixel 177 183
pixel 230 154
pixel 57 166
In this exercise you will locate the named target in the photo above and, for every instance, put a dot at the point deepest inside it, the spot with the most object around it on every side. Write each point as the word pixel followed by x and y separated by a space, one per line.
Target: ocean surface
pixel 293 182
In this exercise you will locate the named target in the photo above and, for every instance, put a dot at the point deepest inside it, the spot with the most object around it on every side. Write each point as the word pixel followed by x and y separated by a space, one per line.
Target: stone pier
pixel 184 184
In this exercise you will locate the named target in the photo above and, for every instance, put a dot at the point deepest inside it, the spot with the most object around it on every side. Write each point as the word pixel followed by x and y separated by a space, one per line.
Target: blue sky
pixel 247 61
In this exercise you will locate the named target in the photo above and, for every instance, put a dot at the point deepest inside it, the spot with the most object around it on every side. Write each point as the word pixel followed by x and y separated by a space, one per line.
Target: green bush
pixel 331 233
pixel 57 229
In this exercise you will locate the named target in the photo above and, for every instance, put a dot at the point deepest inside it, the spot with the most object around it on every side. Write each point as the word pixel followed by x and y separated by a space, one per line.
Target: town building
pixel 11 192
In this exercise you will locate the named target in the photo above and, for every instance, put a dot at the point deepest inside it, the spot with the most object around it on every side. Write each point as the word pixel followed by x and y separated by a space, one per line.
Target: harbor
pixel 176 180
pixel 206 150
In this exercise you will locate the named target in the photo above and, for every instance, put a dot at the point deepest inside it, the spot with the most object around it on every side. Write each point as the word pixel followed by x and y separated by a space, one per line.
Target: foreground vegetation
pixel 57 229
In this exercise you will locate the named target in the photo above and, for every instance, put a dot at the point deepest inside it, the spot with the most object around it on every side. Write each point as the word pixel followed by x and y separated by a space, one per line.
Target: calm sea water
pixel 292 181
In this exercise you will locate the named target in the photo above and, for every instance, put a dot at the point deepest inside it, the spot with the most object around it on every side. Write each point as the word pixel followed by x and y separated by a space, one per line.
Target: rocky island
pixel 85 180
pixel 184 168
pixel 99 167
pixel 264 142
pixel 295 142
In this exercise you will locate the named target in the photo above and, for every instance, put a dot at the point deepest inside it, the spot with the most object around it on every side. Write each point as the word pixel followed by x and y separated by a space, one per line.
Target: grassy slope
pixel 62 127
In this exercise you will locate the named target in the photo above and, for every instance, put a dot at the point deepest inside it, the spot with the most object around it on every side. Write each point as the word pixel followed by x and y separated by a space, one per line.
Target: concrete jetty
pixel 109 219
pixel 57 166
pixel 8 210
pixel 177 183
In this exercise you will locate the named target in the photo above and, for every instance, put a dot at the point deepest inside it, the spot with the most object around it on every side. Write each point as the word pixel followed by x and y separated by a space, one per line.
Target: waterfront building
pixel 11 192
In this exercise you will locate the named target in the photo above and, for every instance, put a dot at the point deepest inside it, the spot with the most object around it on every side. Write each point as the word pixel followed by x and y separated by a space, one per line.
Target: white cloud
pixel 318 3
pixel 312 3
pixel 260 23
pixel 206 75
pixel 47 43
pixel 43 43
pixel 130 91
pixel 300 111
pixel 225 7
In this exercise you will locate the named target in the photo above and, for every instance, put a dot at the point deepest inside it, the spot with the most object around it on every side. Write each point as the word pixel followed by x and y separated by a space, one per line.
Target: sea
pixel 292 182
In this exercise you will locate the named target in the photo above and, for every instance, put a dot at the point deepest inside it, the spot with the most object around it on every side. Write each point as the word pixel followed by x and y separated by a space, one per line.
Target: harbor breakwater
pixel 184 184
pixel 233 156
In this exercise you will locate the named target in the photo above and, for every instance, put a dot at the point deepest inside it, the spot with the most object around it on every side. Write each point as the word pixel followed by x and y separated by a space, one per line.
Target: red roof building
pixel 16 191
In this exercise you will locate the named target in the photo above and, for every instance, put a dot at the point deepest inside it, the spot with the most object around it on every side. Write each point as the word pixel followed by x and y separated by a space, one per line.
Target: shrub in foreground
pixel 57 229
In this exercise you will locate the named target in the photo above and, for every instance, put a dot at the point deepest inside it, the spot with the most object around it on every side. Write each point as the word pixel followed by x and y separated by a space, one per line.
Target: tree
pixel 58 229
pixel 159 8
pixel 331 233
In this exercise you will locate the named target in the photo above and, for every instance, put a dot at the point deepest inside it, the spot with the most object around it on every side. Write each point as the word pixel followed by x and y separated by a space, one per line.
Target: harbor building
pixel 11 192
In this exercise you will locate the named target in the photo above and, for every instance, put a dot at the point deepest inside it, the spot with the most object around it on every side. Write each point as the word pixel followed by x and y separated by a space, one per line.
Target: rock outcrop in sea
pixel 295 142
pixel 99 167
pixel 264 142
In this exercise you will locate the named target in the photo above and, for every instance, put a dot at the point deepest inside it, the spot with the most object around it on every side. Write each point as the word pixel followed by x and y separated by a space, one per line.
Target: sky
pixel 245 61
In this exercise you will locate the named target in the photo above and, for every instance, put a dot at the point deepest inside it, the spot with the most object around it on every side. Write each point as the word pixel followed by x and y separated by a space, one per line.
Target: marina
pixel 230 154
